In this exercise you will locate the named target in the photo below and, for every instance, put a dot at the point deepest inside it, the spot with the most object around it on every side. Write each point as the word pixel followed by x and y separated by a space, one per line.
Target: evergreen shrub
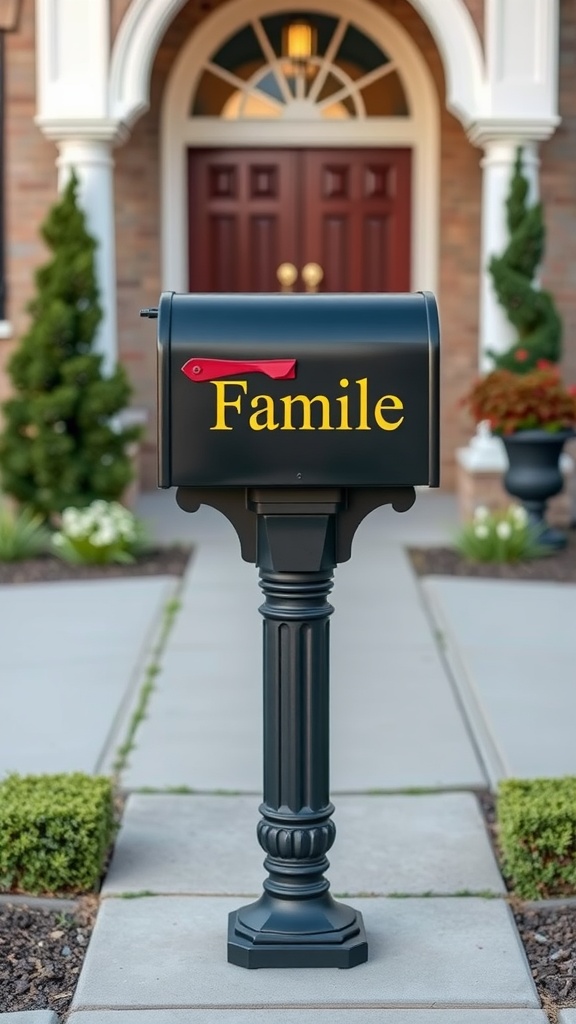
pixel 537 835
pixel 54 832
pixel 530 310
pixel 61 444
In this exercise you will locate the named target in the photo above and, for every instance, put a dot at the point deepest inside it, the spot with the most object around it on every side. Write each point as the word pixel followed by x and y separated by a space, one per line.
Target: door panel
pixel 241 218
pixel 348 210
pixel 359 201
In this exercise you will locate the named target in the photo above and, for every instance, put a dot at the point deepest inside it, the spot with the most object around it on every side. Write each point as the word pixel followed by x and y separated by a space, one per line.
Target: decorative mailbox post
pixel 296 416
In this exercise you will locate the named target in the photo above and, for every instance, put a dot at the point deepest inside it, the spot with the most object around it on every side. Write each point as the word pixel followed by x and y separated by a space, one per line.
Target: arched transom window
pixel 347 74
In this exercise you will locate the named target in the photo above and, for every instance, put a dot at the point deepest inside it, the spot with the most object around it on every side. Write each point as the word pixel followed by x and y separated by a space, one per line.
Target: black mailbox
pixel 298 390
pixel 296 416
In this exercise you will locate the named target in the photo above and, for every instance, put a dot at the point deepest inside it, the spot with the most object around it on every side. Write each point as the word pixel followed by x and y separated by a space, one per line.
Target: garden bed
pixel 41 953
pixel 169 561
pixel 559 567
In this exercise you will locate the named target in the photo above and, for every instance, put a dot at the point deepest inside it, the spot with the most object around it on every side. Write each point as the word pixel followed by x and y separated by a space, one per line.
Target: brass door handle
pixel 312 275
pixel 286 275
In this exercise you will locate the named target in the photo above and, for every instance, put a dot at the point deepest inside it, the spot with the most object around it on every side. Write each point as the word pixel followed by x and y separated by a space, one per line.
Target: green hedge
pixel 54 831
pixel 537 835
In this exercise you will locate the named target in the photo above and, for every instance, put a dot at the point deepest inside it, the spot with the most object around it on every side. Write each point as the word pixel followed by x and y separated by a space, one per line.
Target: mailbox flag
pixel 209 369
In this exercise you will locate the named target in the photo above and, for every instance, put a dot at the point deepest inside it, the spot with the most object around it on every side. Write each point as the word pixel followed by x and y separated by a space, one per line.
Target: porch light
pixel 299 41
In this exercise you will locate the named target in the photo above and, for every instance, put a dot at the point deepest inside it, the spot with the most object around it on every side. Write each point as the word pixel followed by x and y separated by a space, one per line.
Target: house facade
pixel 379 148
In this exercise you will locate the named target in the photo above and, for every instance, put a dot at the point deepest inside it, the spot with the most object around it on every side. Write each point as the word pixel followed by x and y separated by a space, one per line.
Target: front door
pixel 347 210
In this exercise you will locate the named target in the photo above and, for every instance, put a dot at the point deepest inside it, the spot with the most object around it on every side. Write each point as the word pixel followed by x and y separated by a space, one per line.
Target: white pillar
pixel 496 332
pixel 92 161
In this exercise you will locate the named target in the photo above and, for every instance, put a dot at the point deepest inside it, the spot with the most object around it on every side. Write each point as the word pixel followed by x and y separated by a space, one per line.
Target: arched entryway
pixel 349 178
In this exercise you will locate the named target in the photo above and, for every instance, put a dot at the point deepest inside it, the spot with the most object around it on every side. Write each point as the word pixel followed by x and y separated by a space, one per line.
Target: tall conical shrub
pixel 530 310
pixel 59 444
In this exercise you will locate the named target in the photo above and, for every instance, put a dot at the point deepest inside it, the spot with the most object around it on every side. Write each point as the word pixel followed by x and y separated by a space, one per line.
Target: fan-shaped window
pixel 347 75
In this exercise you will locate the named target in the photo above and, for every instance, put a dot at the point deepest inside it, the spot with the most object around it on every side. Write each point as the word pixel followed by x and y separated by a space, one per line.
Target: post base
pixel 286 936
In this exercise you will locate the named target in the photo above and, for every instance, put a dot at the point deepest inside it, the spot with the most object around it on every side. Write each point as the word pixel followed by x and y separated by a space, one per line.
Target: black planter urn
pixel 534 476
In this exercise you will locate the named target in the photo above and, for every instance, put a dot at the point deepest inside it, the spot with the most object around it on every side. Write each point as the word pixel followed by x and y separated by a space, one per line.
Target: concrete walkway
pixel 431 698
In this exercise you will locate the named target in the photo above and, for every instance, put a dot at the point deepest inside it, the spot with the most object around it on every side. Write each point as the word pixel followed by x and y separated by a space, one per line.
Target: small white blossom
pixel 102 524
pixel 103 537
pixel 481 513
pixel 504 530
pixel 519 515
pixel 481 531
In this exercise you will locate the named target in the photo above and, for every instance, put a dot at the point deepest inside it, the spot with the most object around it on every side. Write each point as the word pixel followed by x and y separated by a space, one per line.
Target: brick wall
pixel 30 178
pixel 558 192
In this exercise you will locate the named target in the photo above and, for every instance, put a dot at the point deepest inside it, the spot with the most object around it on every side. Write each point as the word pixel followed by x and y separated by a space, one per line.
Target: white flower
pixel 504 530
pixel 106 534
pixel 70 516
pixel 519 515
pixel 481 513
pixel 481 531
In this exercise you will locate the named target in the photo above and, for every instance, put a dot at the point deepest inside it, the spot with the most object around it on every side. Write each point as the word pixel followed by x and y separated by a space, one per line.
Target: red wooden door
pixel 348 210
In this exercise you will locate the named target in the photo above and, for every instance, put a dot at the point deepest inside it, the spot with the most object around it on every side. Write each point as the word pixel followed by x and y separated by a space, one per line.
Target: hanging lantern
pixel 299 41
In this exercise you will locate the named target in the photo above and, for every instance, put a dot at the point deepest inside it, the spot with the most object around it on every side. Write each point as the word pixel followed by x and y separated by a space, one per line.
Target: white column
pixel 92 161
pixel 495 330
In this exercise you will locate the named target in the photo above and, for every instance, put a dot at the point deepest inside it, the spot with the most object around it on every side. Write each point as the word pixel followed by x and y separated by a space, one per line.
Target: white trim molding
pixel 420 131
pixel 72 55
pixel 135 46
pixel 146 21
pixel 455 35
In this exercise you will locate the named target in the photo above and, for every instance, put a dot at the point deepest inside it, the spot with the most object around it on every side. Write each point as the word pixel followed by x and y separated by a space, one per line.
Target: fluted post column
pixel 296 922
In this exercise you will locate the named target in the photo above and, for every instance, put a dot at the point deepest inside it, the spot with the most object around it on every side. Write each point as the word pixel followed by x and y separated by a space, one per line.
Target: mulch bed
pixel 170 561
pixel 41 954
pixel 559 567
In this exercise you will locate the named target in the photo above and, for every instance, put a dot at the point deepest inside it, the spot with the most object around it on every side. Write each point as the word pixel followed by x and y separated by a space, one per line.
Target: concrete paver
pixel 170 952
pixel 318 1016
pixel 29 1017
pixel 206 845
pixel 567 1017
pixel 70 655
pixel 501 638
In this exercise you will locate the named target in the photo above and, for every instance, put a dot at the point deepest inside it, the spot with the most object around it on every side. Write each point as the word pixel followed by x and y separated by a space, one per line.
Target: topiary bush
pixel 54 832
pixel 537 835
pixel 530 310
pixel 60 444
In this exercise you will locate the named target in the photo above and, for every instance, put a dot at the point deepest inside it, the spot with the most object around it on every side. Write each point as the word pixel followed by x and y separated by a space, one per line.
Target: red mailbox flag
pixel 208 369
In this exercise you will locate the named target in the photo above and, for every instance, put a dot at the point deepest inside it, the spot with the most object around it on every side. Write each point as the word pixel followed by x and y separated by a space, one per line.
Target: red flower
pixel 544 364
pixel 521 355
pixel 572 390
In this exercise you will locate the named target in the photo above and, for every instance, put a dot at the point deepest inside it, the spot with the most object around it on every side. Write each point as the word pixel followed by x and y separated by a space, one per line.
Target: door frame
pixel 419 132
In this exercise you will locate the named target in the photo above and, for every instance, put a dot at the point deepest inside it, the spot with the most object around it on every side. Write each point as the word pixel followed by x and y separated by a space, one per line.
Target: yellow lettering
pixel 222 403
pixel 363 385
pixel 288 402
pixel 393 403
pixel 343 400
pixel 267 410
